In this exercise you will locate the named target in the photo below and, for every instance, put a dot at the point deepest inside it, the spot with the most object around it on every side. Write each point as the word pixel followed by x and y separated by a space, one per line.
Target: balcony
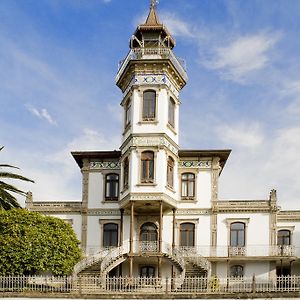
pixel 153 53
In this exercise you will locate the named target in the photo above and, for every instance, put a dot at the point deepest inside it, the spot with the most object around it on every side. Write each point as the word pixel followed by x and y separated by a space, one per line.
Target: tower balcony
pixel 153 54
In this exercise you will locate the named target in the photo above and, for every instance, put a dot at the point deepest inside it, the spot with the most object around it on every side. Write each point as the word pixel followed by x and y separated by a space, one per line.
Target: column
pixel 160 225
pixel 84 211
pixel 131 227
pixel 121 227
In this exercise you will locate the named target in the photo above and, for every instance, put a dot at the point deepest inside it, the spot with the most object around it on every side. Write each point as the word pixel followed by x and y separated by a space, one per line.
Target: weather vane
pixel 154 3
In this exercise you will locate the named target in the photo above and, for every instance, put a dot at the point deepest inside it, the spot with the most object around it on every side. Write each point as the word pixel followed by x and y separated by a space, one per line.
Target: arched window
pixel 111 186
pixel 125 173
pixel 187 185
pixel 147 167
pixel 187 234
pixel 110 235
pixel 237 234
pixel 149 105
pixel 170 172
pixel 236 271
pixel 148 232
pixel 283 237
pixel 171 112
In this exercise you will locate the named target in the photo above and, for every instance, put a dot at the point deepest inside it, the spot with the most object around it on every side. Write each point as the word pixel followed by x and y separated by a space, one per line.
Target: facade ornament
pixel 273 195
pixel 29 198
pixel 202 164
pixel 105 165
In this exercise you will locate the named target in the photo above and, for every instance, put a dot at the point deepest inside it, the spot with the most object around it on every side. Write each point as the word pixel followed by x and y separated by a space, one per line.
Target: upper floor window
pixel 187 234
pixel 171 112
pixel 283 237
pixel 149 105
pixel 148 232
pixel 111 186
pixel 237 234
pixel 170 172
pixel 188 185
pixel 147 164
pixel 127 114
pixel 236 271
pixel 110 235
pixel 125 173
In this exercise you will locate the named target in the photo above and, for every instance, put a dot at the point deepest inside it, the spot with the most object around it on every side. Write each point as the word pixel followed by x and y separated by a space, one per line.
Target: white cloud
pixel 42 114
pixel 243 56
pixel 177 26
pixel 241 135
pixel 292 91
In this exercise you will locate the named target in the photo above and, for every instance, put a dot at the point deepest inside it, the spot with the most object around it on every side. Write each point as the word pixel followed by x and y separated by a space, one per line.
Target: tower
pixel 151 78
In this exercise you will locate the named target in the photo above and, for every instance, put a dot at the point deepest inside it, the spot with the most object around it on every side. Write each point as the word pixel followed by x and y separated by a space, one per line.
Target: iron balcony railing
pixel 153 53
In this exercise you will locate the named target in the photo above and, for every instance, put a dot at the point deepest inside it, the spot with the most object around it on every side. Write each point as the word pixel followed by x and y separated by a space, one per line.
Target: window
pixel 236 271
pixel 149 105
pixel 283 237
pixel 170 172
pixel 110 235
pixel 171 112
pixel 125 173
pixel 188 185
pixel 147 271
pixel 237 234
pixel 148 232
pixel 147 163
pixel 187 234
pixel 111 186
pixel 127 114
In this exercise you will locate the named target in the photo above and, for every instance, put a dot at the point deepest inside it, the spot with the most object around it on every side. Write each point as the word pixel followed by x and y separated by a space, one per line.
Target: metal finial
pixel 153 3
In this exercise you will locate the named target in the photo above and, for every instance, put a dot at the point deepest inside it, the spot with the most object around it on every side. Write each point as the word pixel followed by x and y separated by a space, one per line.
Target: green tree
pixel 31 242
pixel 7 199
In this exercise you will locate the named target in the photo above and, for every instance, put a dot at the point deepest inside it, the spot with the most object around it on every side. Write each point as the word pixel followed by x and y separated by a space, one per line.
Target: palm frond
pixel 8 187
pixel 14 176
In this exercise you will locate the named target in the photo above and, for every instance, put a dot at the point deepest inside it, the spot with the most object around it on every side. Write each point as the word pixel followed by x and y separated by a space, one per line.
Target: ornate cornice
pixel 105 165
pixel 181 212
pixel 195 164
pixel 103 212
pixel 158 141
pixel 288 216
pixel 55 207
pixel 242 206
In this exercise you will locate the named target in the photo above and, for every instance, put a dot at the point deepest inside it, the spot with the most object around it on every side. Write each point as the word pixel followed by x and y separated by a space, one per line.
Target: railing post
pixel 253 284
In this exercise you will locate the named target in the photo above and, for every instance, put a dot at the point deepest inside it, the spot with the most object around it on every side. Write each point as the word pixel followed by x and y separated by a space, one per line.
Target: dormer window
pixel 149 105
pixel 171 112
pixel 147 164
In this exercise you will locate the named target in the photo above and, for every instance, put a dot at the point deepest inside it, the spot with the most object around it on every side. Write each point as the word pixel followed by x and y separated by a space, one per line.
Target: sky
pixel 59 59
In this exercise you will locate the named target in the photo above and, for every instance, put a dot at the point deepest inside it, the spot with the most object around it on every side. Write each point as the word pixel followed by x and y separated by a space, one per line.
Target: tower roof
pixel 152 23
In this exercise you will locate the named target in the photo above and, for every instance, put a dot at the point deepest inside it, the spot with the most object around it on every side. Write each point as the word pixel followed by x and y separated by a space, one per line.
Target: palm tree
pixel 7 199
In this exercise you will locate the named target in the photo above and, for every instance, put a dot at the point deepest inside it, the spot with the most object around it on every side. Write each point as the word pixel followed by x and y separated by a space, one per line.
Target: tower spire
pixel 153 4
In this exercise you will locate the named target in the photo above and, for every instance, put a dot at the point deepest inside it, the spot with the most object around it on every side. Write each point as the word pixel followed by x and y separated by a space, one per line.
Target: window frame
pixel 236 269
pixel 181 231
pixel 284 237
pixel 110 231
pixel 146 163
pixel 170 172
pixel 146 116
pixel 125 173
pixel 237 231
pixel 187 181
pixel 112 198
pixel 171 112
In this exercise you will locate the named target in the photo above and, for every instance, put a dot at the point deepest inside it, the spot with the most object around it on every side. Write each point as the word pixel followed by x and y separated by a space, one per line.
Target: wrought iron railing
pixel 85 285
pixel 153 53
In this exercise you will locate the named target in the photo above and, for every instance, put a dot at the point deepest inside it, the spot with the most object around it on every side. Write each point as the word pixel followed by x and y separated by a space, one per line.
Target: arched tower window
pixel 149 105
pixel 170 172
pixel 147 167
pixel 125 173
pixel 283 237
pixel 237 234
pixel 111 186
pixel 171 112
pixel 188 185
pixel 187 234
pixel 110 235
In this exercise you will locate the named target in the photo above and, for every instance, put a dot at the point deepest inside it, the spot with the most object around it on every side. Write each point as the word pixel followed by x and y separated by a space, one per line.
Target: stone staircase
pixel 192 270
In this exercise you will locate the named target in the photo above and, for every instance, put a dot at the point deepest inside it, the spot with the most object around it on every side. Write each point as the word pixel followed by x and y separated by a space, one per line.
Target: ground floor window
pixel 147 271
pixel 236 271
pixel 110 235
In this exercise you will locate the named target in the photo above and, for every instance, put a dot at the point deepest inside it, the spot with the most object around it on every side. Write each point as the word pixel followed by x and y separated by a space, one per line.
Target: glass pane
pixel 149 104
pixel 191 189
pixel 184 188
pixel 233 239
pixel 151 169
pixel 241 239
pixel 238 225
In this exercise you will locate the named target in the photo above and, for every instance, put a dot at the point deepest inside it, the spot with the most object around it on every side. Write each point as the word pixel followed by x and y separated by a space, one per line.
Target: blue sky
pixel 59 58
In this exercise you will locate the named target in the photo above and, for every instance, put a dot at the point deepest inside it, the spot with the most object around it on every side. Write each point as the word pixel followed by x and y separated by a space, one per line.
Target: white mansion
pixel 152 209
